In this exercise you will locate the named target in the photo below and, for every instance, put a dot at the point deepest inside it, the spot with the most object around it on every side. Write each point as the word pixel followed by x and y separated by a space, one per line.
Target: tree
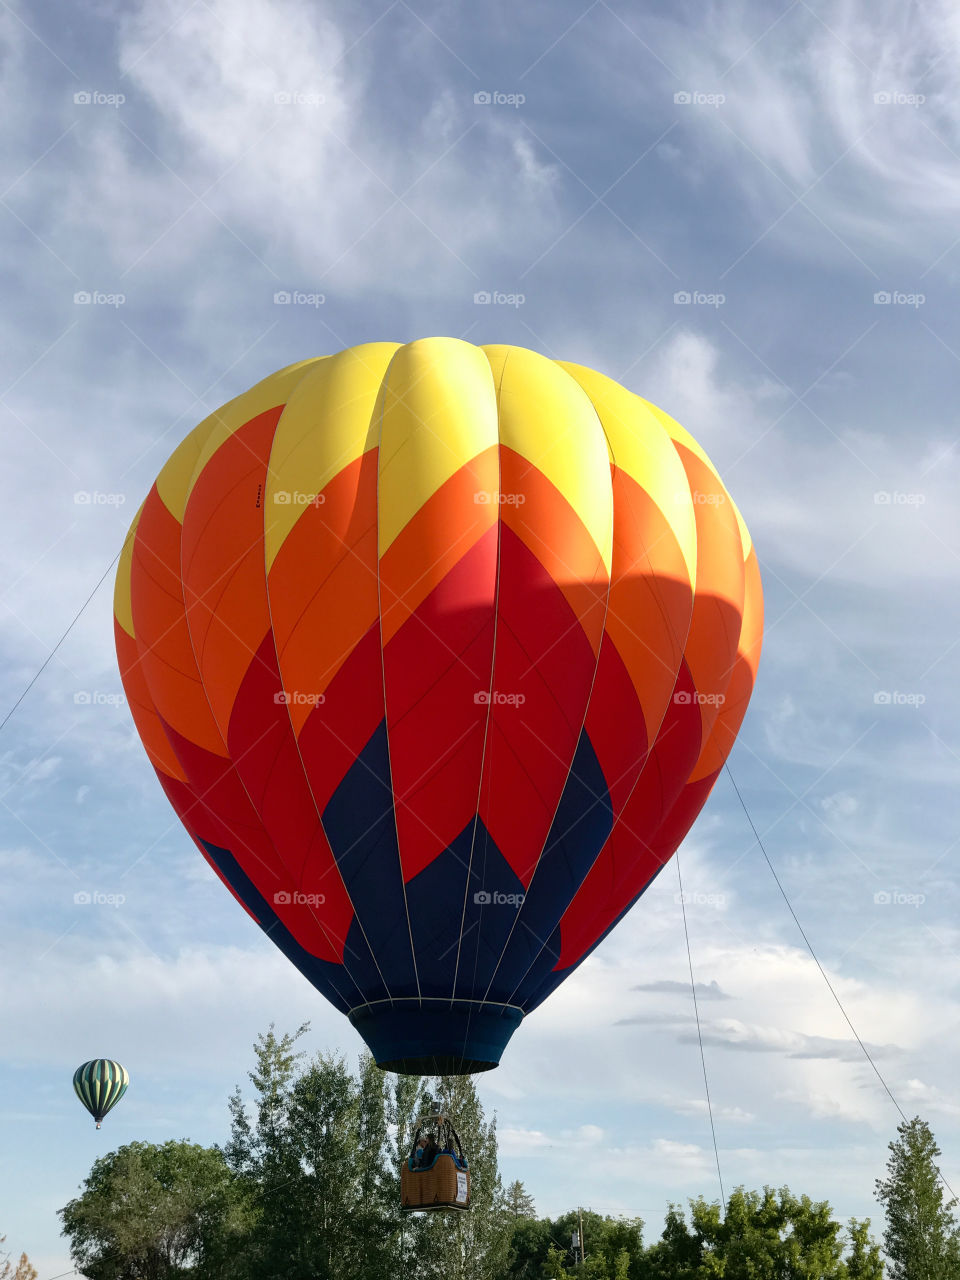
pixel 24 1270
pixel 529 1243
pixel 768 1233
pixel 864 1262
pixel 677 1254
pixel 314 1153
pixel 613 1246
pixel 474 1245
pixel 921 1239
pixel 319 1153
pixel 260 1153
pixel 519 1202
pixel 152 1212
pixel 554 1265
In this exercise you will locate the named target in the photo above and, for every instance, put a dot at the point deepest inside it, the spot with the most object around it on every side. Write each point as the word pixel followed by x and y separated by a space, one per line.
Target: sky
pixel 745 212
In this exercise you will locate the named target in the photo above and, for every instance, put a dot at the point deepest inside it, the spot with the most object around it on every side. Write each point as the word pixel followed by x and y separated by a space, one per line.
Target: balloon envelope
pixel 100 1084
pixel 437 651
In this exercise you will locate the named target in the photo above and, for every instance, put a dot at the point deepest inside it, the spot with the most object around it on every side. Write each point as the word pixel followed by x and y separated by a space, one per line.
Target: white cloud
pixel 822 105
pixel 259 109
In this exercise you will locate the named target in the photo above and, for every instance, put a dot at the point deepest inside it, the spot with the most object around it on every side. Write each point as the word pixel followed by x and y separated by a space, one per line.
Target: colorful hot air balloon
pixel 100 1084
pixel 437 651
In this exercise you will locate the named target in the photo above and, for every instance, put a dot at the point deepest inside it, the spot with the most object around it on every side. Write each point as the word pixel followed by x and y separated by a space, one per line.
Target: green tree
pixel 529 1243
pixel 314 1152
pixel 474 1245
pixel 761 1234
pixel 519 1202
pixel 678 1252
pixel 921 1235
pixel 864 1261
pixel 376 1215
pixel 407 1100
pixel 261 1153
pixel 554 1265
pixel 613 1246
pixel 150 1212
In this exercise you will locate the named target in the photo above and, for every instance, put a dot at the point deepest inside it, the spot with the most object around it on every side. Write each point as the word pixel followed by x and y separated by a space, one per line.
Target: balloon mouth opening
pixel 437 1066
pixel 436 1037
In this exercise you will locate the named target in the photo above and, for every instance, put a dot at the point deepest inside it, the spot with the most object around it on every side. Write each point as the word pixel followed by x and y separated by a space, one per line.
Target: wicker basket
pixel 445 1185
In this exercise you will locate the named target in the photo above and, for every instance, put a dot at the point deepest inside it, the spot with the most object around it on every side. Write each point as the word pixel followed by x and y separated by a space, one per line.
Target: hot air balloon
pixel 100 1084
pixel 437 651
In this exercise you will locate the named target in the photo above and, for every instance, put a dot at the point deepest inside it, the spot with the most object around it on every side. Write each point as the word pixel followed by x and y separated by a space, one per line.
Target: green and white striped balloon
pixel 100 1084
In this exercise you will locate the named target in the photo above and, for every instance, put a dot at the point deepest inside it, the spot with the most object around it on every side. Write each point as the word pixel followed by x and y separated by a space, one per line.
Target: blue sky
pixel 807 171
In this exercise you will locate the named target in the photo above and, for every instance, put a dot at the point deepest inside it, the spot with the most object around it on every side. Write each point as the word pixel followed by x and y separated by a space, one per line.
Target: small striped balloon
pixel 100 1084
